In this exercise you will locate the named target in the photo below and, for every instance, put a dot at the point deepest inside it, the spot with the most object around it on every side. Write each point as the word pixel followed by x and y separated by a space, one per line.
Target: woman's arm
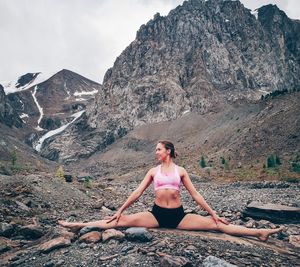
pixel 197 197
pixel 134 195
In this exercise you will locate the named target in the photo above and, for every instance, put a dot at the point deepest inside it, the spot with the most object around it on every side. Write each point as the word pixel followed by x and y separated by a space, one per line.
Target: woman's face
pixel 161 152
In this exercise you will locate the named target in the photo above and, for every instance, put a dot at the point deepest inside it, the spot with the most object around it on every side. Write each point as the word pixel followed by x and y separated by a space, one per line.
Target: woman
pixel 167 210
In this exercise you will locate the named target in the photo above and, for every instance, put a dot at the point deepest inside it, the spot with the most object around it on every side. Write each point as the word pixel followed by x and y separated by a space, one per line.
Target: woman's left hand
pixel 218 219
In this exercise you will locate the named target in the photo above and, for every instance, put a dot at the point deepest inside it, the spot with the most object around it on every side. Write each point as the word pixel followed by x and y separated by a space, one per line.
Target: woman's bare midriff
pixel 167 198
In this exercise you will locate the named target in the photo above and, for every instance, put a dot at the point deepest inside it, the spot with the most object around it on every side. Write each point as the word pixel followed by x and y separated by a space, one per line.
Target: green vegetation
pixel 295 164
pixel 245 174
pixel 88 183
pixel 13 167
pixel 273 161
pixel 202 162
pixel 290 179
pixel 18 168
pixel 224 163
pixel 60 172
pixel 13 156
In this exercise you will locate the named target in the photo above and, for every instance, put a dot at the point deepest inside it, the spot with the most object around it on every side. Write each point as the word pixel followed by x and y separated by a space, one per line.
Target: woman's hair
pixel 169 145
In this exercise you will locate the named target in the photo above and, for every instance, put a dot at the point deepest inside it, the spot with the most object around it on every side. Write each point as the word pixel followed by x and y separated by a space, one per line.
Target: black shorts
pixel 168 218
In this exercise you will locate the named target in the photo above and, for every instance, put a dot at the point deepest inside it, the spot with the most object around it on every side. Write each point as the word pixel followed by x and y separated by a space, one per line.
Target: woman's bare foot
pixel 265 233
pixel 73 226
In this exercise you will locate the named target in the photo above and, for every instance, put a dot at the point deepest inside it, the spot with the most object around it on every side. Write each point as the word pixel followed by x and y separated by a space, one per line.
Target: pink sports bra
pixel 162 181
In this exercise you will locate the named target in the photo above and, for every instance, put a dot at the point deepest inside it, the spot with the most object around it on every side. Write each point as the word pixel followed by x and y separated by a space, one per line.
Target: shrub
pixel 202 162
pixel 60 172
pixel 295 164
pixel 88 183
pixel 13 156
pixel 271 161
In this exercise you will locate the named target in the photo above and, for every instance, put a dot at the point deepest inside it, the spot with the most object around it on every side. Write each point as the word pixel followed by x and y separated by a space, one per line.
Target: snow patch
pixel 24 115
pixel 40 142
pixel 40 109
pixel 11 87
pixel 255 13
pixel 86 93
pixel 264 92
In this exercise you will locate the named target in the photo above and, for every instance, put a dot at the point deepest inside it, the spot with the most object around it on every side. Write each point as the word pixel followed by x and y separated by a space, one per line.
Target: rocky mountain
pixel 8 115
pixel 43 106
pixel 201 58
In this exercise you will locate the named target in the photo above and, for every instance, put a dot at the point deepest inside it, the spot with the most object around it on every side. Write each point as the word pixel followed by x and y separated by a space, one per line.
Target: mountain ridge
pixel 200 58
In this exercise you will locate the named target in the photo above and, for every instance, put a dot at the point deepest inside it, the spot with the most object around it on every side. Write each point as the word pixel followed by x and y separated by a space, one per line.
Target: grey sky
pixel 85 36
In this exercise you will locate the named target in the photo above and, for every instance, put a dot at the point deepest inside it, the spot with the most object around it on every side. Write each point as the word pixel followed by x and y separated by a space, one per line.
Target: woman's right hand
pixel 116 217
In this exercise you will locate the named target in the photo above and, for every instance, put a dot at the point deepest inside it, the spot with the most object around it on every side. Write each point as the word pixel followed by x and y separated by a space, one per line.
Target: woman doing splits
pixel 167 211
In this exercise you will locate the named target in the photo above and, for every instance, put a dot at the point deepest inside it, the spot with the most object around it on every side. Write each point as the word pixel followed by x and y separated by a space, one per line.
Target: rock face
pixel 202 56
pixel 8 115
pixel 59 96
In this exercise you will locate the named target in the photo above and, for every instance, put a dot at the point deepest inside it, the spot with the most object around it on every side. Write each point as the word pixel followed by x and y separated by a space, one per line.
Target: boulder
pixel 138 234
pixel 272 212
pixel 112 234
pixel 31 231
pixel 6 229
pixel 91 237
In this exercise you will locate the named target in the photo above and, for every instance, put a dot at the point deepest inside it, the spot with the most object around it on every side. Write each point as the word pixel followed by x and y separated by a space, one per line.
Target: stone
pixel 6 229
pixel 251 224
pixel 31 231
pixel 91 237
pixel 112 234
pixel 273 212
pixel 212 261
pixel 87 229
pixel 138 234
pixel 171 261
pixel 68 178
pixel 7 244
pixel 53 244
pixel 295 240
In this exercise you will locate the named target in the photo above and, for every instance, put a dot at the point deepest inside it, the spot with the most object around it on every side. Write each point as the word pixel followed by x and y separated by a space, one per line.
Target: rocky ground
pixel 31 205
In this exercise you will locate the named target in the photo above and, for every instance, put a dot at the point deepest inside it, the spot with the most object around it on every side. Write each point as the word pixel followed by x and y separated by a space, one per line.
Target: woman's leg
pixel 197 222
pixel 141 219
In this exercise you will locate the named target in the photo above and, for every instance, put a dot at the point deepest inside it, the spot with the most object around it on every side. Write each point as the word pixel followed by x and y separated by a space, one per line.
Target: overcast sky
pixel 84 36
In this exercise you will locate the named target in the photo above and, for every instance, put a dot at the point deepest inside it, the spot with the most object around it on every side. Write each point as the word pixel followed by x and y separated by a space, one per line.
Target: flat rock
pixel 6 229
pixel 272 212
pixel 91 237
pixel 212 261
pixel 138 234
pixel 112 234
pixel 31 231
pixel 55 243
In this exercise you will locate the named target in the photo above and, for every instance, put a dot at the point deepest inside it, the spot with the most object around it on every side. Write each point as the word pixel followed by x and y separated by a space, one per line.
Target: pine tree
pixel 271 161
pixel 202 162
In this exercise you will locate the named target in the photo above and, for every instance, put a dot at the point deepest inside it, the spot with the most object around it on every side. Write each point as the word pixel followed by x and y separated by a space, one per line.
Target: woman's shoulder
pixel 181 169
pixel 153 170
